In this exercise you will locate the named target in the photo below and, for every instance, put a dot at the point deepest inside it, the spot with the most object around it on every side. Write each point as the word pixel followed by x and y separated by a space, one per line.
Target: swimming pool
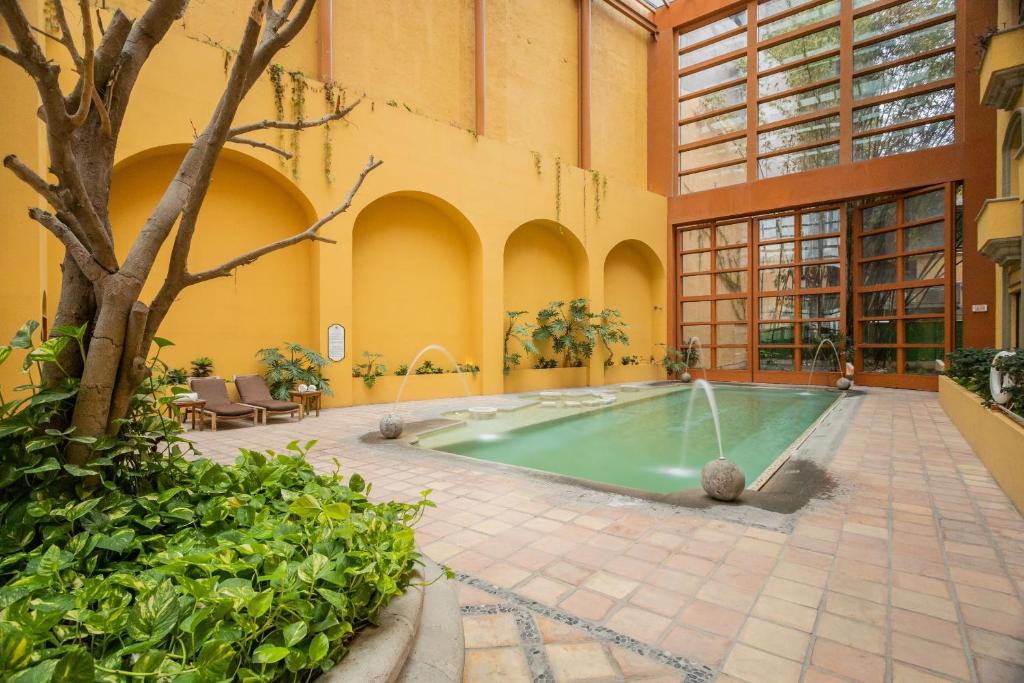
pixel 641 442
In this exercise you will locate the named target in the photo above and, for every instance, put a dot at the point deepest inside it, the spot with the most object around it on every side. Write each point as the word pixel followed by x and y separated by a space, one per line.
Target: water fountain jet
pixel 392 424
pixel 842 383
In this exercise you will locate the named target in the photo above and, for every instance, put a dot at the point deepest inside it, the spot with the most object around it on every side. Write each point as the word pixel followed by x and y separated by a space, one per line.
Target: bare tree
pixel 82 128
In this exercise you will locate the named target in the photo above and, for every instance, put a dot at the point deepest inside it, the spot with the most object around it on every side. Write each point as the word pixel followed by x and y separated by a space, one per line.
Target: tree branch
pixel 309 233
pixel 271 124
pixel 85 66
pixel 83 258
pixel 34 180
pixel 262 145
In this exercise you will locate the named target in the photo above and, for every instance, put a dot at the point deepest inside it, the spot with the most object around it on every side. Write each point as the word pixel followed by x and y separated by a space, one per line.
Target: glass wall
pixel 768 79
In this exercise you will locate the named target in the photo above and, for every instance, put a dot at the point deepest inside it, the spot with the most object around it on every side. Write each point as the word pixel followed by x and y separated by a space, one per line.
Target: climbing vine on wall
pixel 329 100
pixel 50 16
pixel 595 177
pixel 276 72
pixel 298 113
pixel 536 162
pixel 558 189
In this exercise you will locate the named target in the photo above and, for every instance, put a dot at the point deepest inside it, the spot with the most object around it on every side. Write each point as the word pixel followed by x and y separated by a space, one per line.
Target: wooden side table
pixel 194 408
pixel 309 400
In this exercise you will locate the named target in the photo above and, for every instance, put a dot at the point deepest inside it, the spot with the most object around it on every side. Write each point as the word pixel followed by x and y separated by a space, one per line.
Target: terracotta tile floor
pixel 912 572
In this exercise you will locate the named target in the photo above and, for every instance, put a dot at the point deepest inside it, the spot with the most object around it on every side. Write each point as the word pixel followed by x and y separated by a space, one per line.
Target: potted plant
pixel 370 369
pixel 520 333
pixel 677 362
pixel 202 367
pixel 297 365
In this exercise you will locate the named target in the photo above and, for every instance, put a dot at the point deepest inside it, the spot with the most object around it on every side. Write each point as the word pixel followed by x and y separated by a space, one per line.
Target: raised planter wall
pixel 998 440
pixel 519 381
pixel 418 388
pixel 618 374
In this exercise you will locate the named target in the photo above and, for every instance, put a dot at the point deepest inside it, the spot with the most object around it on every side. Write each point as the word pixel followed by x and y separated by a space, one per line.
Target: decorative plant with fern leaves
pixel 519 332
pixel 296 365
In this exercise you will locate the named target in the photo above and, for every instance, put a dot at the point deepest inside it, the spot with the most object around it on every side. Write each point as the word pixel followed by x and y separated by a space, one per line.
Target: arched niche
pixel 543 262
pixel 634 283
pixel 249 204
pixel 416 280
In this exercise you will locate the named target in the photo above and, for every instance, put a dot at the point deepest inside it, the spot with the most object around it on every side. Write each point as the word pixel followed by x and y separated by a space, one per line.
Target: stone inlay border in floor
pixel 692 671
pixel 529 638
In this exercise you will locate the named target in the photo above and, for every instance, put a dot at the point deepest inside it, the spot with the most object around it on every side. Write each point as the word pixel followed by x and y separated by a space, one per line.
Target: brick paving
pixel 911 573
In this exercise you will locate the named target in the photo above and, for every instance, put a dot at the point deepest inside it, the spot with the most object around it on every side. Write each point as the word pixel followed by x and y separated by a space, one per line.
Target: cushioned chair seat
pixel 275 406
pixel 229 409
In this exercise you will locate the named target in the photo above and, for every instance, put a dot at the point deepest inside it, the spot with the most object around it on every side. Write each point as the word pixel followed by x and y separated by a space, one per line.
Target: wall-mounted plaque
pixel 336 342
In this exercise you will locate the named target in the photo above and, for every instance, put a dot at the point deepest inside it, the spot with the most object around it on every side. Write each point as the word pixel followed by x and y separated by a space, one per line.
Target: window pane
pixel 798 77
pixel 726 259
pixel 878 245
pixel 922 361
pixel 775 333
pixel 819 222
pixel 930 104
pixel 777 228
pixel 696 311
pixel 731 310
pixel 926 205
pixel 787 107
pixel 713 126
pixel 825 275
pixel 698 35
pixel 716 49
pixel 924 266
pixel 696 285
pixel 880 361
pixel 878 304
pixel 731 283
pixel 904 76
pixel 932 331
pixel 731 359
pixel 773 254
pixel 801 48
pixel 697 262
pixel 878 217
pixel 713 154
pixel 777 307
pixel 907 45
pixel 819 306
pixel 776 360
pixel 717 177
pixel 712 76
pixel 801 134
pixel 773 7
pixel 924 236
pixel 732 334
pixel 795 21
pixel 921 300
pixel 898 16
pixel 815 332
pixel 698 238
pixel 776 279
pixel 796 162
pixel 734 233
pixel 879 332
pixel 713 101
pixel 878 272
pixel 701 332
pixel 904 140
pixel 819 250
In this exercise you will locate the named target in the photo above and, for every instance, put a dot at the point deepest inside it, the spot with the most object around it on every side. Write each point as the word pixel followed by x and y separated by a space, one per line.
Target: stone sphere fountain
pixel 685 378
pixel 391 426
pixel 722 479
pixel 843 383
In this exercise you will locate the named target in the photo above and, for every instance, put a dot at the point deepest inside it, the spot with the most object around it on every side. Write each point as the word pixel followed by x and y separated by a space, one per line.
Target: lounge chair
pixel 214 391
pixel 254 391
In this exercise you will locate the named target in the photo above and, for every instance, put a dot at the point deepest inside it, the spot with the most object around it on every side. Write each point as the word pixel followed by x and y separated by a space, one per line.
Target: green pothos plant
pixel 143 564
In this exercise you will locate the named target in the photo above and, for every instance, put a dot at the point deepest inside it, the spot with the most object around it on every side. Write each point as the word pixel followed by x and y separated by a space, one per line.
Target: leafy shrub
pixel 202 366
pixel 176 377
pixel 970 369
pixel 630 360
pixel 402 370
pixel 427 367
pixel 545 363
pixel 1013 366
pixel 471 368
pixel 522 334
pixel 143 565
pixel 370 369
pixel 301 366
pixel 677 361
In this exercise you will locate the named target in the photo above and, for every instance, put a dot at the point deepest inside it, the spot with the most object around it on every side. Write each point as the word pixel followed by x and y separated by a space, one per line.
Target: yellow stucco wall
pixel 633 277
pixel 494 182
pixel 998 440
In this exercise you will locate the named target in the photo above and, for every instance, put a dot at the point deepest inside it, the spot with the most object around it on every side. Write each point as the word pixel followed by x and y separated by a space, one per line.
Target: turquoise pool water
pixel 644 444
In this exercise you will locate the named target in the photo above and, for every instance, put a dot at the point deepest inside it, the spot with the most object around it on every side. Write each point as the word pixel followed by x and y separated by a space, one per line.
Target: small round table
pixel 194 407
pixel 305 399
